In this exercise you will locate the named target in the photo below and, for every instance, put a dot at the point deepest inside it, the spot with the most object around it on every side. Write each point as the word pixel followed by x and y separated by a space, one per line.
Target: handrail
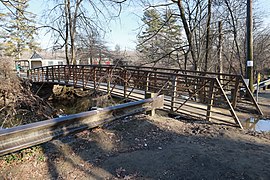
pixel 156 68
pixel 24 136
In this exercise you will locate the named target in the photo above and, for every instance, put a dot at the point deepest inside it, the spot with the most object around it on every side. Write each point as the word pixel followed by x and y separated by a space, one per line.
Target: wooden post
pixel 150 95
pixel 173 93
pixel 210 101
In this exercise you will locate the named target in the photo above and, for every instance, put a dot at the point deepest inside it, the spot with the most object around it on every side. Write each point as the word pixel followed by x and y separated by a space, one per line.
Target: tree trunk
pixel 220 41
pixel 207 49
pixel 235 35
pixel 188 33
pixel 67 31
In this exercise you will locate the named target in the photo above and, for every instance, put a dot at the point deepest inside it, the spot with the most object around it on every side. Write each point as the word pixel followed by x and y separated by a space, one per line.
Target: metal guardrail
pixel 262 84
pixel 24 136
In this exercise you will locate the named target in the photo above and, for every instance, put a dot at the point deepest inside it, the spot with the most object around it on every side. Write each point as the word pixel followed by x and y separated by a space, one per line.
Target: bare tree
pixel 66 19
pixel 199 19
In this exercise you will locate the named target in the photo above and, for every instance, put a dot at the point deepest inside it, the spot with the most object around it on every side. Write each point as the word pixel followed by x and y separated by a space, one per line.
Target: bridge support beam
pixel 174 90
pixel 235 92
pixel 210 101
pixel 147 82
pixel 109 81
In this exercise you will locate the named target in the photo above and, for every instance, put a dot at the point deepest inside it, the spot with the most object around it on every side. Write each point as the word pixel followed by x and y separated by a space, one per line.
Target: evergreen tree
pixel 161 37
pixel 19 30
pixel 171 37
pixel 148 40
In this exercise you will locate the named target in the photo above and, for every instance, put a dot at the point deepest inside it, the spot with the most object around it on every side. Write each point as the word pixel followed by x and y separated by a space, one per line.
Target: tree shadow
pixel 142 148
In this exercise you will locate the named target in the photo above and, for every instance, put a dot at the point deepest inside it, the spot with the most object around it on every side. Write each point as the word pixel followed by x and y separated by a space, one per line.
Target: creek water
pixel 259 125
pixel 77 105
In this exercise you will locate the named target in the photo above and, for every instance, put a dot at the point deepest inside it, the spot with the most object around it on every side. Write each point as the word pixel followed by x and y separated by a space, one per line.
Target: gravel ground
pixel 143 147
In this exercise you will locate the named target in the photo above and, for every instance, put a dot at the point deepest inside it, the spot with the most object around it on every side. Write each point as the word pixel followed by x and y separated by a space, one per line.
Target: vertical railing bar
pixel 210 100
pixel 173 93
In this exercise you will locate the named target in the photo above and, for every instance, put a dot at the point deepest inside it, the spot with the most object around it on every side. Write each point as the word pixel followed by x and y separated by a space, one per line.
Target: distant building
pixel 37 61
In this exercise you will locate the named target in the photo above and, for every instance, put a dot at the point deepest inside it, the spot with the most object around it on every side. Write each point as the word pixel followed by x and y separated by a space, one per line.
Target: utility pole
pixel 249 56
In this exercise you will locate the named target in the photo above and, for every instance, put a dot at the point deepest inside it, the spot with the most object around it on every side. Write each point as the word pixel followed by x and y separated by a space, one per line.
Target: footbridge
pixel 202 95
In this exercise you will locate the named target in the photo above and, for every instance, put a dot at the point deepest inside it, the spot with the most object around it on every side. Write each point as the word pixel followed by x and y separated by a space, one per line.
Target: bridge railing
pixel 206 97
pixel 233 85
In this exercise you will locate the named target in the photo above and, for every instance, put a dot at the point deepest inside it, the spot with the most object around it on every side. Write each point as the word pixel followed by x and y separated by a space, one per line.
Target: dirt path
pixel 143 147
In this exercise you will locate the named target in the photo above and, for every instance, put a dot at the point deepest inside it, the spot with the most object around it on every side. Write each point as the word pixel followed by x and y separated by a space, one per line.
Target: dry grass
pixel 18 105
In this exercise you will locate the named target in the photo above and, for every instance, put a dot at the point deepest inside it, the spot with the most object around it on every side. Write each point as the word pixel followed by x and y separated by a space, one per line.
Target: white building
pixel 37 61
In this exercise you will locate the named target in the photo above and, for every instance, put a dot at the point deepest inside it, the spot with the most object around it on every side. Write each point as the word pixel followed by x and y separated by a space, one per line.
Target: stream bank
pixel 70 100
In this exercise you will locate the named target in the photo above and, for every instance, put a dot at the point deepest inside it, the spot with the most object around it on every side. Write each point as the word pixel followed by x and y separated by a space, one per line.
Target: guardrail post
pixel 210 101
pixel 147 96
pixel 173 93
